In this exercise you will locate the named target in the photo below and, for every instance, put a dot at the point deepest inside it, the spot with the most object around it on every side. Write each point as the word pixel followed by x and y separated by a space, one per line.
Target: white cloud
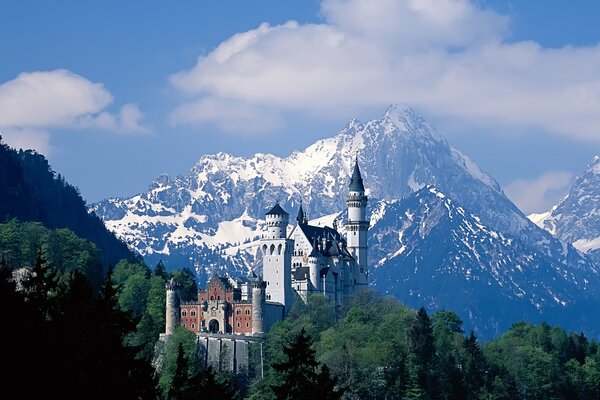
pixel 28 139
pixel 34 103
pixel 229 116
pixel 541 193
pixel 127 121
pixel 447 57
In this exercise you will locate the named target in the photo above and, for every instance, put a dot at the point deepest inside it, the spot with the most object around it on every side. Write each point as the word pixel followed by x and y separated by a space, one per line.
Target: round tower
pixel 172 309
pixel 313 270
pixel 258 302
pixel 277 222
pixel 358 225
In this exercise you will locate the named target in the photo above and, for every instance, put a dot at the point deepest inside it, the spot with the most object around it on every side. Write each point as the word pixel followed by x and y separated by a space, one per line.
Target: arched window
pixel 264 249
pixel 247 324
pixel 183 313
pixel 272 249
pixel 193 313
pixel 238 324
pixel 238 312
pixel 279 249
pixel 212 297
pixel 247 311
pixel 193 326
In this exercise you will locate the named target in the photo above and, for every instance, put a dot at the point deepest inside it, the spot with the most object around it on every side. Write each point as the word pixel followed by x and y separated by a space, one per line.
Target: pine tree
pixel 180 386
pixel 421 353
pixel 300 376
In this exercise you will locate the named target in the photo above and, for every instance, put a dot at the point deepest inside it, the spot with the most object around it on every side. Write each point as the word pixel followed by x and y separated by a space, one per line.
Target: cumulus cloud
pixel 541 193
pixel 450 58
pixel 229 116
pixel 36 139
pixel 34 103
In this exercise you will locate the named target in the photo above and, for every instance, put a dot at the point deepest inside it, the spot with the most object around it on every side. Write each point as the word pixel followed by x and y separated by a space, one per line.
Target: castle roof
pixel 335 242
pixel 301 218
pixel 301 273
pixel 276 210
pixel 356 182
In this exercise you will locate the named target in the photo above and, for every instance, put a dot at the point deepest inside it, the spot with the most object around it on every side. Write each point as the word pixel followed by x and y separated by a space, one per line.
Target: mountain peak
pixel 399 114
pixel 594 165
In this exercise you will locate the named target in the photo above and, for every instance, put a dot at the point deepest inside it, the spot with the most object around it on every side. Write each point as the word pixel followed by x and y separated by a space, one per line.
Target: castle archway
pixel 213 326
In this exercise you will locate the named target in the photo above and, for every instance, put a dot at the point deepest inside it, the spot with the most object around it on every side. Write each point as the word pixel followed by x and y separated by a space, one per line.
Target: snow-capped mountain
pixel 210 218
pixel 576 219
pixel 431 251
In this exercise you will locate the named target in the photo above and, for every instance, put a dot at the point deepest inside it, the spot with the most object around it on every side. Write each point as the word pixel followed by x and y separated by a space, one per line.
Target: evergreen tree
pixel 421 350
pixel 180 387
pixel 161 271
pixel 475 367
pixel 299 377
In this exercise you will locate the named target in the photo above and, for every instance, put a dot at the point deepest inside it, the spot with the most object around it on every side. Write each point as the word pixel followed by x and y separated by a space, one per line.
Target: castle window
pixel 238 312
pixel 183 313
pixel 193 326
pixel 212 297
pixel 247 324
pixel 238 324
pixel 247 311
pixel 193 313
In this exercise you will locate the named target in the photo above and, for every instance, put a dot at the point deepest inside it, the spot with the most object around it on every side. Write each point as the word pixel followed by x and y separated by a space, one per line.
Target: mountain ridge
pixel 210 218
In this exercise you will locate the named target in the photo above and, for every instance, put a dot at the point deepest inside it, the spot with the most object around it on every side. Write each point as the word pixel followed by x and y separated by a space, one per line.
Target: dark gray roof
pixel 301 273
pixel 277 210
pixel 356 182
pixel 301 218
pixel 336 244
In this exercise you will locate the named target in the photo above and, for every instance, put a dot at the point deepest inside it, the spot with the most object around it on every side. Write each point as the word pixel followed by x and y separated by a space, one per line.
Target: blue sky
pixel 117 92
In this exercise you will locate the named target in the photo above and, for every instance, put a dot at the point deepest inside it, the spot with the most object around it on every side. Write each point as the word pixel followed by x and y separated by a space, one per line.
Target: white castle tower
pixel 172 307
pixel 358 225
pixel 277 258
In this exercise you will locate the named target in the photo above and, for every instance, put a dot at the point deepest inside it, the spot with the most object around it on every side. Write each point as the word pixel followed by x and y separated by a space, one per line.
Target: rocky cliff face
pixel 576 219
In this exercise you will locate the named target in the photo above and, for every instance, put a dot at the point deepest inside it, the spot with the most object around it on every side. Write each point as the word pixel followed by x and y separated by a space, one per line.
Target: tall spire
pixel 356 182
pixel 301 218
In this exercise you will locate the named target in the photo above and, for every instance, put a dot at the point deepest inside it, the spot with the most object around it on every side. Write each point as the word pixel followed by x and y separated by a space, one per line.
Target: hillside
pixel 33 192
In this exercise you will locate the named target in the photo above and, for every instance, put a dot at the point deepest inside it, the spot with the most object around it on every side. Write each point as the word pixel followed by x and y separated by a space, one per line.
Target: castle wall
pixel 229 352
pixel 274 312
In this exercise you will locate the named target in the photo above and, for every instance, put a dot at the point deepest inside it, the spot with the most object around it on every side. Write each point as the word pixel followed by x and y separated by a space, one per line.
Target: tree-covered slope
pixel 32 191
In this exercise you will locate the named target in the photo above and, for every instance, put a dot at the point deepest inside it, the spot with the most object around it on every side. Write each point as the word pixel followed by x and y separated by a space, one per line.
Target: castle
pixel 311 259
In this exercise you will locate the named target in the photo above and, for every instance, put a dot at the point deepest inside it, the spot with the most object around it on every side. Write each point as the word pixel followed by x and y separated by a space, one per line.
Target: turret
pixel 301 218
pixel 258 301
pixel 358 225
pixel 172 307
pixel 277 221
pixel 313 263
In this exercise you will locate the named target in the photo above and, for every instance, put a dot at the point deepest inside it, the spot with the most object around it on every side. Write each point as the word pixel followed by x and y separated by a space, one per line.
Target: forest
pixel 79 332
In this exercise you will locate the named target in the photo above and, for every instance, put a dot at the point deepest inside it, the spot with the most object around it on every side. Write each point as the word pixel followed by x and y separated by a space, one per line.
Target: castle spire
pixel 301 218
pixel 356 182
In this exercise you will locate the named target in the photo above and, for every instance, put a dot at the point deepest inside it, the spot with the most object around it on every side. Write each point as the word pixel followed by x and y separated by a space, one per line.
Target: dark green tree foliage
pixel 69 339
pixel 181 386
pixel 475 367
pixel 21 242
pixel 32 191
pixel 161 271
pixel 188 289
pixel 184 377
pixel 142 294
pixel 300 376
pixel 421 354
